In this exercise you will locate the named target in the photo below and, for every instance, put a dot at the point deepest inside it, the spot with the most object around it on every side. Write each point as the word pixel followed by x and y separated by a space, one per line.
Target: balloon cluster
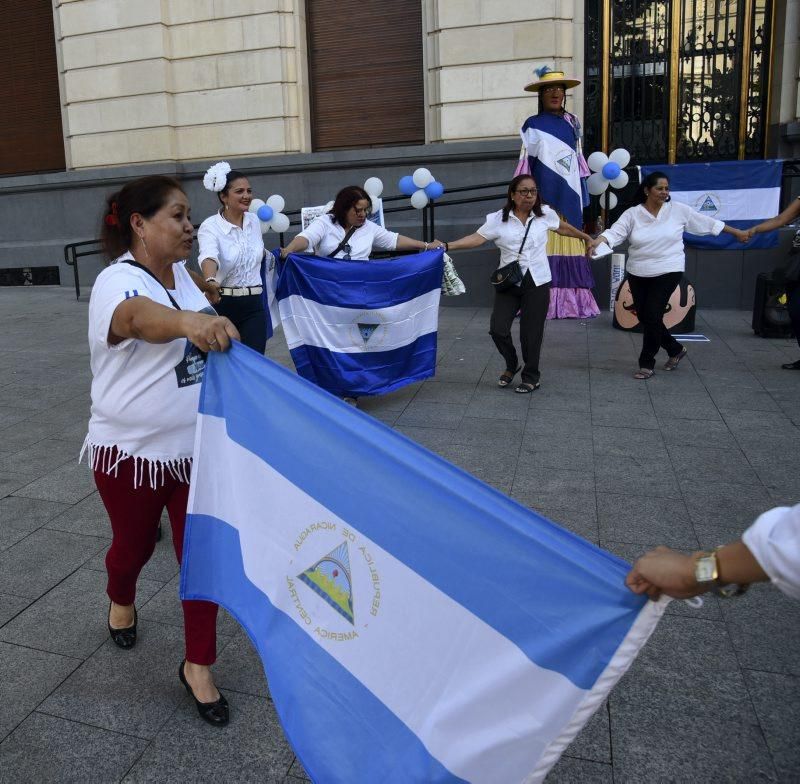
pixel 270 213
pixel 420 186
pixel 608 170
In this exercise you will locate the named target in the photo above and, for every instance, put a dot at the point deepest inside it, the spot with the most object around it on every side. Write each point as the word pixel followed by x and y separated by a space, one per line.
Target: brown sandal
pixel 507 377
pixel 642 374
pixel 672 362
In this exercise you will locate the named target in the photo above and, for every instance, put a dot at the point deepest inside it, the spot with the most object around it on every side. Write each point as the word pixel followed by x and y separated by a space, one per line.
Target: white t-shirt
pixel 656 241
pixel 237 251
pixel 508 238
pixel 324 236
pixel 774 540
pixel 144 395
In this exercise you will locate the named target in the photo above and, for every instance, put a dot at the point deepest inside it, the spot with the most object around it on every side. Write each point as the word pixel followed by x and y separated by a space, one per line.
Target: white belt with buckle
pixel 243 291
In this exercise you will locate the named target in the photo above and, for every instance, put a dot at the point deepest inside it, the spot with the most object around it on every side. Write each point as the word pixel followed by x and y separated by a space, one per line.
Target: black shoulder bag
pixel 503 278
pixel 155 278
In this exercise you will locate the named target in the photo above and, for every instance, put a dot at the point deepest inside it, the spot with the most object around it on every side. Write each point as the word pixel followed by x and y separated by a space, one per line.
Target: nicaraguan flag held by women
pixel 415 625
pixel 739 193
pixel 361 327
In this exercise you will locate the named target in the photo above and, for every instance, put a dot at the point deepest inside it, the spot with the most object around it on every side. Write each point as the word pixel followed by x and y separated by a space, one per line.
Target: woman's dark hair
pixel 648 182
pixel 147 196
pixel 232 175
pixel 345 199
pixel 512 186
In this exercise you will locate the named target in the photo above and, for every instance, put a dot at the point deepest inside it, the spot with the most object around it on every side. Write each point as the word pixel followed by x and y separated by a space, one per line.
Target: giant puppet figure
pixel 552 143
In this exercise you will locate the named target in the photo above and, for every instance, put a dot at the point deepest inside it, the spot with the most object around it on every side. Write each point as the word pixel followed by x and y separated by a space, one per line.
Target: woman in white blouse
pixel 520 232
pixel 231 253
pixel 654 228
pixel 345 233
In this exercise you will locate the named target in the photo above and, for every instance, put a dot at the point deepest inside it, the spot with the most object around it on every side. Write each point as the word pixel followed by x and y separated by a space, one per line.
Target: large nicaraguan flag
pixel 740 193
pixel 415 625
pixel 361 327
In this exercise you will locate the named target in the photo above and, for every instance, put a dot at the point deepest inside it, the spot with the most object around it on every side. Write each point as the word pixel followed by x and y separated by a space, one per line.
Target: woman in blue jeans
pixel 792 280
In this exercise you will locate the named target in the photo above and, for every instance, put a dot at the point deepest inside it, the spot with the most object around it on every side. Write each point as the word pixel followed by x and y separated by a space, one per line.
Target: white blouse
pixel 144 395
pixel 774 540
pixel 656 241
pixel 324 236
pixel 238 252
pixel 508 238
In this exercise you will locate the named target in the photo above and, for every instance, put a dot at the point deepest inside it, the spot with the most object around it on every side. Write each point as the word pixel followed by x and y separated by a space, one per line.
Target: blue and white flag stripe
pixel 482 637
pixel 361 328
pixel 740 193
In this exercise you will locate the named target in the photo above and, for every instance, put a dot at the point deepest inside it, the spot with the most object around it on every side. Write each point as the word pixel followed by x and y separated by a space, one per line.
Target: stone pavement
pixel 687 459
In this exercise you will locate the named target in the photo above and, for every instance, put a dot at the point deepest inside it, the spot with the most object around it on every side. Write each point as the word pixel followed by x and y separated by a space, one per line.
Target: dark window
pixel 365 72
pixel 31 134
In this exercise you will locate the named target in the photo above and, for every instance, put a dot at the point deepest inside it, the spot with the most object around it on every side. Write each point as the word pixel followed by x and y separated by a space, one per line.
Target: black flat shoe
pixel 792 365
pixel 215 713
pixel 123 638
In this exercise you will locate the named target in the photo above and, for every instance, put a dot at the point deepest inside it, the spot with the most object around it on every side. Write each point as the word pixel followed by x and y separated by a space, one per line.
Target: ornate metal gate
pixel 678 80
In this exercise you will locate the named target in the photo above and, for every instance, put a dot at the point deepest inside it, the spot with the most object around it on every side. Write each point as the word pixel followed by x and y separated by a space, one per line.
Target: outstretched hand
pixel 664 571
pixel 210 333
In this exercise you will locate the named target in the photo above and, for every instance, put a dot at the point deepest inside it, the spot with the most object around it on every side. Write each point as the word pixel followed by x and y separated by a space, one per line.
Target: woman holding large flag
pixel 552 141
pixel 520 232
pixel 150 327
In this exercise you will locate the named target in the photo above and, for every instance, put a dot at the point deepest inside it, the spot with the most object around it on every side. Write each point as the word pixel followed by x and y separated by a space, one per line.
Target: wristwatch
pixel 212 280
pixel 706 570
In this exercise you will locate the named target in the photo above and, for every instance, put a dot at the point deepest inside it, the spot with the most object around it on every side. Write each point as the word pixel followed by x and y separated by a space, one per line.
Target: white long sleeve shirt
pixel 324 236
pixel 774 541
pixel 656 241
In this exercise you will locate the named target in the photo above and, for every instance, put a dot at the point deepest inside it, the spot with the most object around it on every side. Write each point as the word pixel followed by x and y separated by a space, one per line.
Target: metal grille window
pixel 680 80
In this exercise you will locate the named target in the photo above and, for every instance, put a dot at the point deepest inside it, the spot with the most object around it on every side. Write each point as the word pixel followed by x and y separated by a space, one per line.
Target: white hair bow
pixel 216 176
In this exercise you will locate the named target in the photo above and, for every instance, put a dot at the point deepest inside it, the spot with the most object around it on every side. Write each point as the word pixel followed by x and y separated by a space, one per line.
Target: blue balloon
pixel 434 190
pixel 265 213
pixel 406 185
pixel 611 170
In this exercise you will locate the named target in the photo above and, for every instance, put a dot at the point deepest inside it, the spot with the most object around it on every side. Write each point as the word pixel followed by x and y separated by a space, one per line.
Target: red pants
pixel 135 514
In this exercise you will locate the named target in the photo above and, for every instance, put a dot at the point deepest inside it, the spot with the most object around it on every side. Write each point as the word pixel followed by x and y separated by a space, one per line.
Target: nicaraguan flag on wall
pixel 415 625
pixel 361 327
pixel 740 193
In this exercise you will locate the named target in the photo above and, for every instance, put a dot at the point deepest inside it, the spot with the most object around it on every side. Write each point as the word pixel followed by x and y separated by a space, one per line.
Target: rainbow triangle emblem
pixel 330 578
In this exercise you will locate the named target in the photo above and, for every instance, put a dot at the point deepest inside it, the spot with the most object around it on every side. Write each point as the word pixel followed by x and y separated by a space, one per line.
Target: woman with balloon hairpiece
pixel 231 254
pixel 552 154
pixel 346 233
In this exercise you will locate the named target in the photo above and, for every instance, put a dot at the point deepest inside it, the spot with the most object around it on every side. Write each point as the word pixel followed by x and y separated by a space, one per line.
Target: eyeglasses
pixel 347 250
pixel 553 88
pixel 526 191
pixel 361 210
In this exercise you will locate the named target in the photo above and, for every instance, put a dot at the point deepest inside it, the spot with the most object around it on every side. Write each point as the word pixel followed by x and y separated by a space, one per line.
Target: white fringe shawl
pixel 106 459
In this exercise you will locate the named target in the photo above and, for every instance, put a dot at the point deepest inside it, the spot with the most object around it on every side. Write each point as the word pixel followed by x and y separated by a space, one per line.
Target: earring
pixel 144 245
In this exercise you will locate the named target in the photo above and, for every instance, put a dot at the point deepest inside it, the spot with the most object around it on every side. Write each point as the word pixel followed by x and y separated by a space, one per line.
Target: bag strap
pixel 343 242
pixel 527 229
pixel 152 275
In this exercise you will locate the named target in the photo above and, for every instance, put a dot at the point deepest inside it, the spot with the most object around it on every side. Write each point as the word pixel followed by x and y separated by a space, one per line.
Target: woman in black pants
pixel 520 232
pixel 231 252
pixel 792 274
pixel 654 228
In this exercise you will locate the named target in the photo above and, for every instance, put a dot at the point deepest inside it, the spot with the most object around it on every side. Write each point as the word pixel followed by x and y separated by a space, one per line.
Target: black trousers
pixel 793 306
pixel 248 316
pixel 650 298
pixel 533 301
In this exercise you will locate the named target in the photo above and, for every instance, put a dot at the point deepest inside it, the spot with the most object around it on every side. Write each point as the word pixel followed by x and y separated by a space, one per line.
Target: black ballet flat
pixel 123 638
pixel 215 713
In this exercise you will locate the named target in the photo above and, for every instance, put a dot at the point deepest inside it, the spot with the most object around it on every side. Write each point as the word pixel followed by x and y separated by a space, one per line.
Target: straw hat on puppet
pixel 546 76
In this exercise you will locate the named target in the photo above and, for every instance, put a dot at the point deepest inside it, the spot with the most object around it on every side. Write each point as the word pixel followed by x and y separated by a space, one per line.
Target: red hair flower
pixel 112 219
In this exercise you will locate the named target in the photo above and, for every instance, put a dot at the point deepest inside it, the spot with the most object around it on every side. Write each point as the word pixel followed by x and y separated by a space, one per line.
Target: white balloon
pixel 422 177
pixel 374 187
pixel 621 181
pixel 279 222
pixel 609 201
pixel 264 226
pixel 596 183
pixel 419 199
pixel 597 160
pixel 620 156
pixel 255 204
pixel 276 202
